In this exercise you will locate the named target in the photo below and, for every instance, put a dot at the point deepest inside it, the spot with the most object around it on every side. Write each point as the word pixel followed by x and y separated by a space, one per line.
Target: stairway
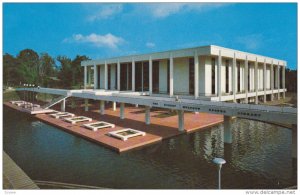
pixel 54 101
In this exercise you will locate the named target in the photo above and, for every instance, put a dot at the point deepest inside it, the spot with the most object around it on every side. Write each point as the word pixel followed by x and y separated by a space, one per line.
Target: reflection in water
pixel 259 157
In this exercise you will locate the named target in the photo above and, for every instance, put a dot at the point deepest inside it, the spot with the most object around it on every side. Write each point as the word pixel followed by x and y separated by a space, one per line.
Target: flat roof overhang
pixel 203 50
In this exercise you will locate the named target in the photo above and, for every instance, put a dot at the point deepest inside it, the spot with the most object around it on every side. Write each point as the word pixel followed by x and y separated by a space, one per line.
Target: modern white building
pixel 210 73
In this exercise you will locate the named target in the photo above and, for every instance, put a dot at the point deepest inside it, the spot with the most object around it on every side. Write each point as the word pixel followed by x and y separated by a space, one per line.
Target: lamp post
pixel 219 162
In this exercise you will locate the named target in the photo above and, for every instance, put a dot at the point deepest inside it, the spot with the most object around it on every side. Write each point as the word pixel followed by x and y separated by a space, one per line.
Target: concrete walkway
pixel 14 176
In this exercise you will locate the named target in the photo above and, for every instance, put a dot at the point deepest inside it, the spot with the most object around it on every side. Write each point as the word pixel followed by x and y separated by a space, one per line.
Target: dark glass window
pixel 146 76
pixel 213 76
pixel 280 77
pixel 155 76
pixel 191 76
pixel 274 77
pixel 138 76
pixel 227 75
pixel 116 76
pixel 248 77
pixel 123 76
pixel 98 72
pixel 168 77
pixel 129 76
pixel 238 76
pixel 108 76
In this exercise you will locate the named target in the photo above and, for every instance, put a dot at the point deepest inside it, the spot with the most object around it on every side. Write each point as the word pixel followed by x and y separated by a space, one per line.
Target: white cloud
pixel 162 10
pixel 150 44
pixel 104 11
pixel 251 41
pixel 108 40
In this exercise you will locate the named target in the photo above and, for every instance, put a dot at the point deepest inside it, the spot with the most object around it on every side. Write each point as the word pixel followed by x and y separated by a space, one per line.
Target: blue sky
pixel 106 30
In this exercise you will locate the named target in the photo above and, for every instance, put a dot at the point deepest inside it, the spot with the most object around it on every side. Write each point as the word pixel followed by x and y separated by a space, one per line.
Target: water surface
pixel 259 157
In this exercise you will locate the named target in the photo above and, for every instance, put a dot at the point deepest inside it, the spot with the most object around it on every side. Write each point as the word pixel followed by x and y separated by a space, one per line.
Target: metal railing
pixel 54 101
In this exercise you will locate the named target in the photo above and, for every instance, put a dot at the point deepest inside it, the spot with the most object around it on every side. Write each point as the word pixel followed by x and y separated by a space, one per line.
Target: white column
pixel 278 80
pixel 272 81
pixel 95 76
pixel 118 75
pixel 133 75
pixel 136 105
pixel 122 105
pixel 196 73
pixel 114 106
pixel 85 76
pixel 219 75
pixel 150 75
pixel 227 130
pixel 180 120
pixel 265 81
pixel 234 79
pixel 89 77
pixel 246 79
pixel 147 115
pixel 86 105
pixel 256 82
pixel 63 105
pixel 105 76
pixel 102 107
pixel 283 80
pixel 294 141
pixel 171 75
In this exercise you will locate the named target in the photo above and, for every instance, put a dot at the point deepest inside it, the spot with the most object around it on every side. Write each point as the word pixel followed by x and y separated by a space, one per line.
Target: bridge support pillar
pixel 256 99
pixel 86 105
pixel 180 120
pixel 265 98
pixel 147 115
pixel 63 105
pixel 102 107
pixel 122 105
pixel 114 106
pixel 294 141
pixel 272 96
pixel 227 130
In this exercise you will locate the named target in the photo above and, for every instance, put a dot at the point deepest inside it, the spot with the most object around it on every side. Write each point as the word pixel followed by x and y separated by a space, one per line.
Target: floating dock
pixel 28 109
pixel 163 125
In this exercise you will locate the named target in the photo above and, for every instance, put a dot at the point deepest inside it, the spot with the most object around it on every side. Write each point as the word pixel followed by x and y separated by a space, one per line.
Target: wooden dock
pixel 37 110
pixel 15 176
pixel 163 125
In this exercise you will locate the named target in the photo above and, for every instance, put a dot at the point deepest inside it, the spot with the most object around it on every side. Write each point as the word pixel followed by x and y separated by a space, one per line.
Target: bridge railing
pixel 85 93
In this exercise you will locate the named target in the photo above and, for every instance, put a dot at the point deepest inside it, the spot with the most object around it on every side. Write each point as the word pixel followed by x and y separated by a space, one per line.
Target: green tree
pixel 46 69
pixel 65 71
pixel 77 70
pixel 291 80
pixel 28 65
pixel 10 74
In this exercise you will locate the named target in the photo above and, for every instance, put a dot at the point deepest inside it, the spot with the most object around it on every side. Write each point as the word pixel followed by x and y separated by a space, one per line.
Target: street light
pixel 219 162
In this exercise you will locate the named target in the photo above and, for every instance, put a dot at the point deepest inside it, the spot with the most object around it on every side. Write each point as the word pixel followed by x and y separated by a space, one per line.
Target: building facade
pixel 210 73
